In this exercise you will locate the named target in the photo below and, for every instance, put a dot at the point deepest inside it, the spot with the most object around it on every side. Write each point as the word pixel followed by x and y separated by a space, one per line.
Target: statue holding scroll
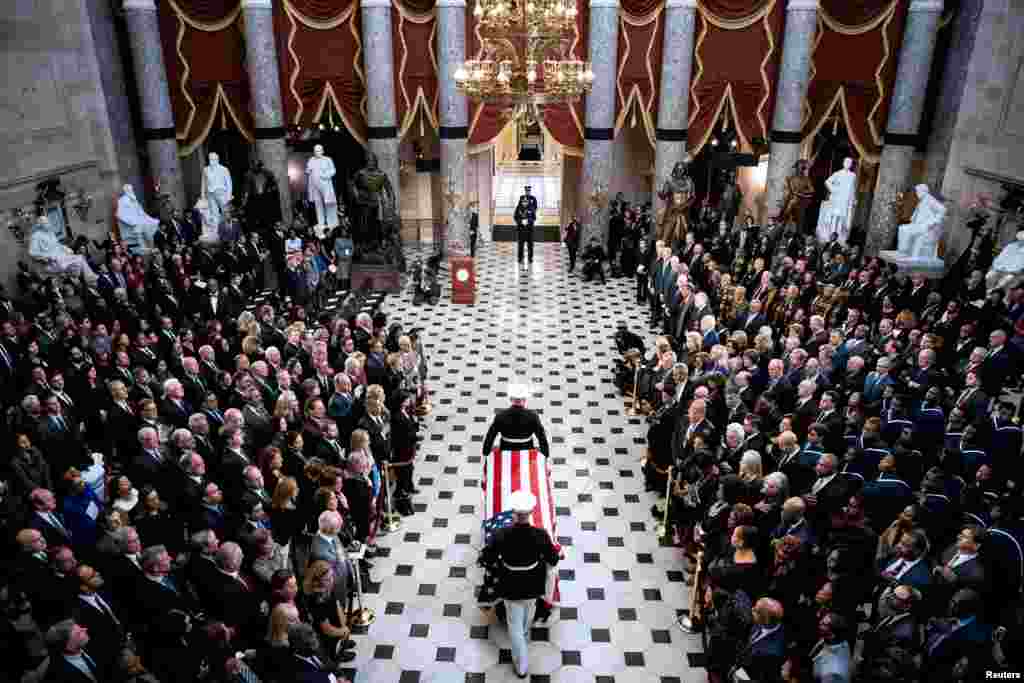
pixel 677 193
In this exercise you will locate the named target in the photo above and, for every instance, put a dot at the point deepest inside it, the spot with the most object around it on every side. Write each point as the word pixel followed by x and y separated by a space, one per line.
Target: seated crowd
pixel 840 455
pixel 184 479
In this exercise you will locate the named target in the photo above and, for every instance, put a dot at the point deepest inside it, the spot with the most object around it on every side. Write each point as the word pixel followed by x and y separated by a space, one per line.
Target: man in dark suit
pixel 754 320
pixel 150 464
pixel 236 599
pixel 46 520
pixel 94 610
pixel 999 364
pixel 763 653
pixel 778 390
pixel 160 591
pixel 960 566
pixel 829 492
pixel 910 567
pixel 174 409
pixel 518 425
pixel 805 409
pixel 70 662
pixel 947 642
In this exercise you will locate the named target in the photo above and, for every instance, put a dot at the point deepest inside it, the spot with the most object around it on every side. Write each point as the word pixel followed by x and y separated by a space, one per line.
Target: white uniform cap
pixel 522 502
pixel 518 392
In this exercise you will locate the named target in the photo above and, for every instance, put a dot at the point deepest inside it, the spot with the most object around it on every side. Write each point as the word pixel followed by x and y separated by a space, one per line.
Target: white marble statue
pixel 1008 266
pixel 919 239
pixel 320 187
pixel 217 187
pixel 836 213
pixel 137 226
pixel 56 257
pixel 208 219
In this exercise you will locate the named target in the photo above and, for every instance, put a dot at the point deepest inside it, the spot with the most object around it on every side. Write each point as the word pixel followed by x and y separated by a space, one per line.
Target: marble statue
pixel 677 193
pixel 1008 266
pixel 837 211
pixel 217 187
pixel 56 257
pixel 137 226
pixel 320 187
pixel 375 202
pixel 208 221
pixel 799 193
pixel 917 247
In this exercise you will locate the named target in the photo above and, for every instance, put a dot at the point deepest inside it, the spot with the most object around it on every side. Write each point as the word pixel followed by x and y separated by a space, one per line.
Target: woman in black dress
pixel 324 611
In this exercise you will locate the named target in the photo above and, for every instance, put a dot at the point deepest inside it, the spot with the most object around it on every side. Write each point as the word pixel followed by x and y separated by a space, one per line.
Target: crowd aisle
pixel 621 593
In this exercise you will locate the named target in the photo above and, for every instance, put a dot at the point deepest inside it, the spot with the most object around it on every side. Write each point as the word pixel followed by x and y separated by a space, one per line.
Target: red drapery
pixel 641 35
pixel 320 53
pixel 204 50
pixel 736 58
pixel 414 28
pixel 856 90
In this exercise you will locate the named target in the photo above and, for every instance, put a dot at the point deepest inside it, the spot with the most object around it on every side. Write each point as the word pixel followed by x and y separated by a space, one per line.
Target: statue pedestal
pixel 376 276
pixel 932 268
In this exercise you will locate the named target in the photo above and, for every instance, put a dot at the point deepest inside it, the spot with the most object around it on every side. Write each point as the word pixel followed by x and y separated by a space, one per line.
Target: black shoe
pixel 346 656
pixel 346 644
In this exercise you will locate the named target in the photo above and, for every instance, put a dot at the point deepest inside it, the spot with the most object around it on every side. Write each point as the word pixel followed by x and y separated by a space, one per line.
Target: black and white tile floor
pixel 621 591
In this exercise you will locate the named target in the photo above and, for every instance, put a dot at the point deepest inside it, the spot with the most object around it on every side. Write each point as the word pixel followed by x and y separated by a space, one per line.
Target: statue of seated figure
pixel 55 257
pixel 918 241
pixel 137 226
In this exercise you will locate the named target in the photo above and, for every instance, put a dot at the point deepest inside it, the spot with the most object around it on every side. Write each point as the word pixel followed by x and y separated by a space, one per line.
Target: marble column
pixel 673 97
pixel 157 116
pixel 901 130
pixel 454 129
pixel 599 129
pixel 379 64
pixel 265 93
pixel 790 92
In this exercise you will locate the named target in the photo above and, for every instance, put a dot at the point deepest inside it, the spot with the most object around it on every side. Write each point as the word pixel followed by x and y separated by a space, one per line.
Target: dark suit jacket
pixel 106 635
pixel 147 470
pixel 54 535
pixel 175 415
pixel 61 671
pixel 763 659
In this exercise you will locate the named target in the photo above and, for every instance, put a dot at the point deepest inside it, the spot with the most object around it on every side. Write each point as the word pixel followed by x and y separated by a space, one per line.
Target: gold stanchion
pixel 392 520
pixel 634 410
pixel 661 528
pixel 361 616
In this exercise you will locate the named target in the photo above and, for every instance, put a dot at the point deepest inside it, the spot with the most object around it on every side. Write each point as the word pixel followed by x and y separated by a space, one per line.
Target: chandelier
pixel 525 55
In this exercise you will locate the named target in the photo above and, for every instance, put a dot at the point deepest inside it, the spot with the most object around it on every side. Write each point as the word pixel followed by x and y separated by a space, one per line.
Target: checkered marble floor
pixel 621 592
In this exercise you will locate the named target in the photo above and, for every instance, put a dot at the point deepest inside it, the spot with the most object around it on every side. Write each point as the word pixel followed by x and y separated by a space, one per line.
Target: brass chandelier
pixel 525 61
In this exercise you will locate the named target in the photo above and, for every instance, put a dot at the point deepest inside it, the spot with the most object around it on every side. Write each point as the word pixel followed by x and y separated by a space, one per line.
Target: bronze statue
pixel 374 200
pixel 799 193
pixel 677 193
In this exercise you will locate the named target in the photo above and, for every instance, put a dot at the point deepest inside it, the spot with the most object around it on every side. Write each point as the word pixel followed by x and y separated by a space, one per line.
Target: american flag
pixel 499 521
pixel 504 473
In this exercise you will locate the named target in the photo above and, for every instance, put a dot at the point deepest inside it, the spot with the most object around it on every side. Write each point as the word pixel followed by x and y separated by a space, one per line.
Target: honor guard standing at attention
pixel 518 425
pixel 524 553
pixel 525 216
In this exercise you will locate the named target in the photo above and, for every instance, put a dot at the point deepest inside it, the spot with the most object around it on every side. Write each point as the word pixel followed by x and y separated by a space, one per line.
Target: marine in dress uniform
pixel 524 552
pixel 518 425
